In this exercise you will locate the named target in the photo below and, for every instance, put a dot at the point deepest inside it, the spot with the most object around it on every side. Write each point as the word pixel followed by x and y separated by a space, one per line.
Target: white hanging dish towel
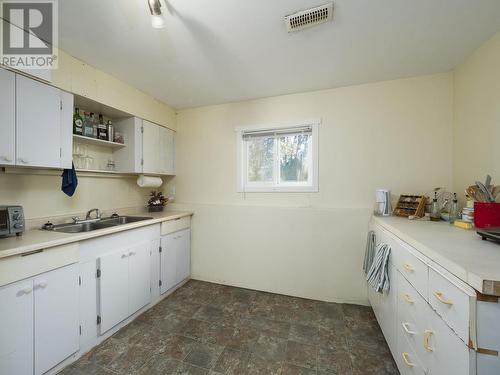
pixel 378 275
pixel 370 251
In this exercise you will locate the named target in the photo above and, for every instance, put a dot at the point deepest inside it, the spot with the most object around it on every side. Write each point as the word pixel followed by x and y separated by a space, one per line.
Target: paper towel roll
pixel 148 181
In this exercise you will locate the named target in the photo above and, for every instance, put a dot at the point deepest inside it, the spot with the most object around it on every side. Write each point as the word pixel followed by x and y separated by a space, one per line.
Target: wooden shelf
pixel 97 142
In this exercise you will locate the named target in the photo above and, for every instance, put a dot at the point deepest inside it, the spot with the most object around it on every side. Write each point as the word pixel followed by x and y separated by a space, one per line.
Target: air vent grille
pixel 309 17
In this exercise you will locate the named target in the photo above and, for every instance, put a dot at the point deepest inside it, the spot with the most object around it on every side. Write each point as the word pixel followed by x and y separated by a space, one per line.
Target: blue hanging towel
pixel 69 181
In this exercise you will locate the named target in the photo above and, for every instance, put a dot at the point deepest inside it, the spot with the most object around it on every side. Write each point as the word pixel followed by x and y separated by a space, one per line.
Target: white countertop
pixel 37 239
pixel 461 252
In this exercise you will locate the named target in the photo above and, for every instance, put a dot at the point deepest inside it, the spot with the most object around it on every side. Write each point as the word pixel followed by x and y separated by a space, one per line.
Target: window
pixel 278 158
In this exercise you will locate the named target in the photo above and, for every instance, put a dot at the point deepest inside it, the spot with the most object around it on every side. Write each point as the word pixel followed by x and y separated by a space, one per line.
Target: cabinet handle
pixel 26 291
pixel 405 327
pixel 408 299
pixel 124 256
pixel 405 356
pixel 22 161
pixel 427 335
pixel 441 299
pixel 5 158
pixel 408 268
pixel 41 284
pixel 131 253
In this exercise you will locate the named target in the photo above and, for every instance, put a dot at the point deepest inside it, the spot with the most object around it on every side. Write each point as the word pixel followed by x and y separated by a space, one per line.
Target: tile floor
pixel 212 329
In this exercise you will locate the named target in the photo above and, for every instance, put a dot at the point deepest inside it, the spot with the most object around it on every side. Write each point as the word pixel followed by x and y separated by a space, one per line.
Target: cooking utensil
pixel 487 194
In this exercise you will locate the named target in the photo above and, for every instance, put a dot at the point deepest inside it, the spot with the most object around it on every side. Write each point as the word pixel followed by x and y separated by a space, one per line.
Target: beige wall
pixel 41 196
pixel 477 116
pixel 394 134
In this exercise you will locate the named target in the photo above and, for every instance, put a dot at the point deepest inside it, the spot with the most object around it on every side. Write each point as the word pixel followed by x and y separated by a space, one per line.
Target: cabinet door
pixel 38 130
pixel 88 304
pixel 139 276
pixel 7 117
pixel 113 289
pixel 167 151
pixel 66 119
pixel 168 262
pixel 56 317
pixel 448 354
pixel 16 327
pixel 150 147
pixel 183 248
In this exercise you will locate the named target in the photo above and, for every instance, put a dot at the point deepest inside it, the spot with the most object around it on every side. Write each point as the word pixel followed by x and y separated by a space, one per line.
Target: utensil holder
pixel 486 215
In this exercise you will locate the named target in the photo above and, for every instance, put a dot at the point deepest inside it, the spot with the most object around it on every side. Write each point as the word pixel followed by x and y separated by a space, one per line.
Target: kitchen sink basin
pixel 91 226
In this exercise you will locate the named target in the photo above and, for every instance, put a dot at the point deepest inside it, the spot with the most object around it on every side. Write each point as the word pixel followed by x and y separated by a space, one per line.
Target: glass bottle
pixel 102 129
pixel 94 125
pixel 88 129
pixel 77 123
pixel 111 131
pixel 454 209
pixel 435 211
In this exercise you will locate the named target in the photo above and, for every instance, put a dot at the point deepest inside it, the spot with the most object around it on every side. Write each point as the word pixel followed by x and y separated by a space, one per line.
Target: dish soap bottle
pixel 454 209
pixel 435 211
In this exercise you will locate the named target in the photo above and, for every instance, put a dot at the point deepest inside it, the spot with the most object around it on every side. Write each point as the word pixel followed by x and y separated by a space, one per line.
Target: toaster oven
pixel 11 221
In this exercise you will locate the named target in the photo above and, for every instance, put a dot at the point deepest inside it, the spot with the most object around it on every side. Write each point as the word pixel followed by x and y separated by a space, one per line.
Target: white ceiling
pixel 230 50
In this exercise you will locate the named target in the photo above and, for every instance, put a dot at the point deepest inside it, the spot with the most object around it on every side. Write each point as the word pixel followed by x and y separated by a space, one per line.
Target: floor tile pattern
pixel 211 329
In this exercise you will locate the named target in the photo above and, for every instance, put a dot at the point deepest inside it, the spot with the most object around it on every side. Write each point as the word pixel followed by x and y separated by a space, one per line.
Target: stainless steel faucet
pixel 97 214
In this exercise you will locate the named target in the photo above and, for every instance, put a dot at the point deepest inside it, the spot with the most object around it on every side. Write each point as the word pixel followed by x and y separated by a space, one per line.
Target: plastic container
pixel 486 215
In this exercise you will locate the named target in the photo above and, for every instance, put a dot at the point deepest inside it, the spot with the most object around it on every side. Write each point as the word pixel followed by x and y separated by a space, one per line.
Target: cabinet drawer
pixel 412 312
pixel 407 360
pixel 451 303
pixel 19 267
pixel 448 354
pixel 175 225
pixel 411 267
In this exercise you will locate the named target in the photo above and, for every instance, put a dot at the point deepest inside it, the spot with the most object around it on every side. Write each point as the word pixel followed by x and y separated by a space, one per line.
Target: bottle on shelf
pixel 435 210
pixel 111 131
pixel 77 123
pixel 94 125
pixel 102 129
pixel 88 129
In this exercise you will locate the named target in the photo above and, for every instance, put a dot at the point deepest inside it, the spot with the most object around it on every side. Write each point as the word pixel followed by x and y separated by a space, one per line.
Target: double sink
pixel 89 226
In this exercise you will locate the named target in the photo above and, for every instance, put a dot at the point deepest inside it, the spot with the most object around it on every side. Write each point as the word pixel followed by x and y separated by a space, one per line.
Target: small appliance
pixel 11 221
pixel 383 202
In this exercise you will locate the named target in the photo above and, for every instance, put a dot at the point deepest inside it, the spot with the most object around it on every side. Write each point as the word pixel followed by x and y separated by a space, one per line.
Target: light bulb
pixel 157 21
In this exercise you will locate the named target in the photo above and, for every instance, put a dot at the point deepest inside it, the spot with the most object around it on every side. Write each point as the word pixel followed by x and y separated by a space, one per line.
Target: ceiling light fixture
pixel 157 19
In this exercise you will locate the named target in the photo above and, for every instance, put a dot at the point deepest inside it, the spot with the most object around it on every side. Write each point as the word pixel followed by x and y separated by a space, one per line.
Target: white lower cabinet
pixel 16 326
pixel 39 322
pixel 124 283
pixel 56 317
pixel 175 259
pixel 424 332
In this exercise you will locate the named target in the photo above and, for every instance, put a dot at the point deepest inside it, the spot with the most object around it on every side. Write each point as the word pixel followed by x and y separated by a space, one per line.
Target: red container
pixel 486 215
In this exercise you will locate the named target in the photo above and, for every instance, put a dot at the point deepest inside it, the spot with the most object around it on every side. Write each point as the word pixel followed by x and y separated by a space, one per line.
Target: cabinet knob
pixel 25 291
pixel 408 268
pixel 124 256
pixel 41 284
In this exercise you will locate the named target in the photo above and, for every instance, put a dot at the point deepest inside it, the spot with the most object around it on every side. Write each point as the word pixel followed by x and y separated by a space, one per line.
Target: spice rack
pixel 410 205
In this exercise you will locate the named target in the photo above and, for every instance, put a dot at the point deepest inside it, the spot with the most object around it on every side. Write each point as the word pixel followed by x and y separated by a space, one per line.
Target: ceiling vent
pixel 309 17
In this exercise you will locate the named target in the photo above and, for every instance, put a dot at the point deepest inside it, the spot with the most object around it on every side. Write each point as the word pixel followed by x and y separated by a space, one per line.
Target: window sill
pixel 287 189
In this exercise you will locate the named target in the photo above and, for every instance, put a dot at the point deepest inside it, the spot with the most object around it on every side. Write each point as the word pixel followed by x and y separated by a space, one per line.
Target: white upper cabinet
pixel 39 124
pixel 7 117
pixel 150 147
pixel 167 151
pixel 158 149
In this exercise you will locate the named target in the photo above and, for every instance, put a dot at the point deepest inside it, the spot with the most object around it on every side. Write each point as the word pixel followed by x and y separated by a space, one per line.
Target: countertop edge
pixel 68 238
pixel 475 281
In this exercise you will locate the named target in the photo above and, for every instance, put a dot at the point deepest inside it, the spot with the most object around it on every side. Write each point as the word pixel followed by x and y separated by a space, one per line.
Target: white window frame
pixel 243 186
